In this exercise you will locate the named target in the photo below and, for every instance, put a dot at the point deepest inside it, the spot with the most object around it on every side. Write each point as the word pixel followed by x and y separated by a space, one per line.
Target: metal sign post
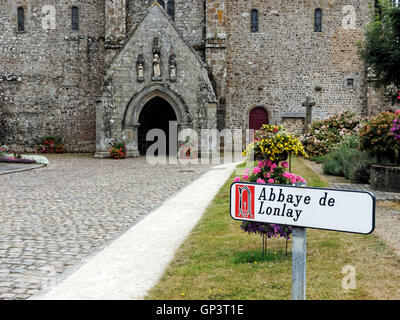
pixel 303 207
pixel 299 263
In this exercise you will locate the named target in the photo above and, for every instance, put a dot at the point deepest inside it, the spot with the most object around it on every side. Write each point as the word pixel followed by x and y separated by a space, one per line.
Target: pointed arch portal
pixel 152 108
pixel 156 114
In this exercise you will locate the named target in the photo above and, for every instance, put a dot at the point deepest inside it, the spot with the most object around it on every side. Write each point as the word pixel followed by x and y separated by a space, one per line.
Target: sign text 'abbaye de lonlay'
pixel 329 209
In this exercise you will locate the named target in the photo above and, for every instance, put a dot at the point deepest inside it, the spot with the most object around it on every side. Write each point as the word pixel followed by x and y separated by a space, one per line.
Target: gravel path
pixel 387 221
pixel 53 218
pixel 387 215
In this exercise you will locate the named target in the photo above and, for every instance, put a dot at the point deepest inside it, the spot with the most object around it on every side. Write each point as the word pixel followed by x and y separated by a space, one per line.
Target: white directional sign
pixel 329 209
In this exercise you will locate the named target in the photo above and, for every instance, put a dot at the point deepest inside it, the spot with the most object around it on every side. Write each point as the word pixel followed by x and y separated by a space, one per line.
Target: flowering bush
pixel 271 146
pixel 50 144
pixel 118 150
pixel 3 151
pixel 188 150
pixel 378 140
pixel 269 172
pixel 395 130
pixel 323 136
pixel 274 143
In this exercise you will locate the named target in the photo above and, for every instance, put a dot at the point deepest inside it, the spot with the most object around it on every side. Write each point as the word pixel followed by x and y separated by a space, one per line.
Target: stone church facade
pixel 94 71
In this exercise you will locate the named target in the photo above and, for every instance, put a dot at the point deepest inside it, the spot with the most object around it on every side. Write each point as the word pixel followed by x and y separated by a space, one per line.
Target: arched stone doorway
pixel 156 114
pixel 257 117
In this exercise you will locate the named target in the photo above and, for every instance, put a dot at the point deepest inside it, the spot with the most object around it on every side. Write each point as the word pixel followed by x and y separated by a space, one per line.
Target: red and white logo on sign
pixel 244 206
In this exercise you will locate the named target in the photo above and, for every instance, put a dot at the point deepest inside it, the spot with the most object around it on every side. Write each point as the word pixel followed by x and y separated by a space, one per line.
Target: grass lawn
pixel 220 261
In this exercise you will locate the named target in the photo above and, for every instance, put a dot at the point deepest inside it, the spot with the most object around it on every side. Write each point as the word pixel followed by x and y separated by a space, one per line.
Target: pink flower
pixel 237 179
pixel 261 164
pixel 246 171
pixel 269 162
pixel 293 180
pixel 256 170
pixel 245 177
pixel 259 180
pixel 285 164
pixel 271 181
pixel 273 166
pixel 288 175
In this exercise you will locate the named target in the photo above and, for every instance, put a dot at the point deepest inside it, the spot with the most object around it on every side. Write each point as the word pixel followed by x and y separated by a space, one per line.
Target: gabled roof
pixel 156 6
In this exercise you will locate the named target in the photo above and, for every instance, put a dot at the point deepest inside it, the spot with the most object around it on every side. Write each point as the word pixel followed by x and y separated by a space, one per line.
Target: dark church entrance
pixel 156 114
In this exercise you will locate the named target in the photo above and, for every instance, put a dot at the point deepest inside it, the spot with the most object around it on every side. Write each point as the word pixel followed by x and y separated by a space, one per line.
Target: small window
pixel 75 19
pixel 254 21
pixel 318 20
pixel 171 9
pixel 21 19
pixel 350 83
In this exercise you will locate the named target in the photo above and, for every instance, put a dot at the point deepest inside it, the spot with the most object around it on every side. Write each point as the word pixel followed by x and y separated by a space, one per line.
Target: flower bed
pixel 50 144
pixel 14 157
pixel 14 160
pixel 118 150
pixel 323 136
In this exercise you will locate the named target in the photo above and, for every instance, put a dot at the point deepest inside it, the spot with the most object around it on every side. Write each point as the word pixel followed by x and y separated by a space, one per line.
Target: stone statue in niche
pixel 156 66
pixel 172 67
pixel 140 68
pixel 156 60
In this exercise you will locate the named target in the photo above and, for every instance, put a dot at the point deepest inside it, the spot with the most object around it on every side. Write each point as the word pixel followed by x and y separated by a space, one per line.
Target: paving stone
pixel 7 296
pixel 56 216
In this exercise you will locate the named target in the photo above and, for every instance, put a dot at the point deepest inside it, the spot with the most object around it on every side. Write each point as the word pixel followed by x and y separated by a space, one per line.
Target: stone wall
pixel 50 77
pixel 286 60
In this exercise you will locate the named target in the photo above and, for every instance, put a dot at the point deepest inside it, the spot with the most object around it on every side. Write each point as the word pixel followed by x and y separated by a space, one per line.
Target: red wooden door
pixel 258 117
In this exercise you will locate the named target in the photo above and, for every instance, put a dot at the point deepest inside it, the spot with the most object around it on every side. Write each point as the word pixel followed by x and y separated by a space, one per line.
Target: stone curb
pixel 24 169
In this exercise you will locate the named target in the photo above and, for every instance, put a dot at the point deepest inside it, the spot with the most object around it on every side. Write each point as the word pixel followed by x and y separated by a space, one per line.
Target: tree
pixel 381 49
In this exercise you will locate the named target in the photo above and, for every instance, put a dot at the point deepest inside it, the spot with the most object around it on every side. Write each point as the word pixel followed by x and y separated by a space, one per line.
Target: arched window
pixel 162 3
pixel 75 18
pixel 171 9
pixel 254 21
pixel 318 20
pixel 21 19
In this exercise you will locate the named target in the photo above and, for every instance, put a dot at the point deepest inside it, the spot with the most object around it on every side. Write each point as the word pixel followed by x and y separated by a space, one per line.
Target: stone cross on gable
pixel 309 103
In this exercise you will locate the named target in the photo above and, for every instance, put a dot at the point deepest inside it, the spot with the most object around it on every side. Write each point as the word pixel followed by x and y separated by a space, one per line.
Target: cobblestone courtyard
pixel 52 218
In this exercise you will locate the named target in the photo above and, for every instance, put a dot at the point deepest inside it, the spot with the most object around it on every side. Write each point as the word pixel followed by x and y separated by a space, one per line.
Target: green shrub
pixel 318 159
pixel 348 161
pixel 332 164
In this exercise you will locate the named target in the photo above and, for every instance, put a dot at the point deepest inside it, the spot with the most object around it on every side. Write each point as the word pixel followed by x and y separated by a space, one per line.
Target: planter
pixel 385 177
pixel 13 160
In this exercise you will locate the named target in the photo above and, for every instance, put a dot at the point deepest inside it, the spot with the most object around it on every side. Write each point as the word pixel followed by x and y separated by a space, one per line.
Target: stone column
pixel 132 148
